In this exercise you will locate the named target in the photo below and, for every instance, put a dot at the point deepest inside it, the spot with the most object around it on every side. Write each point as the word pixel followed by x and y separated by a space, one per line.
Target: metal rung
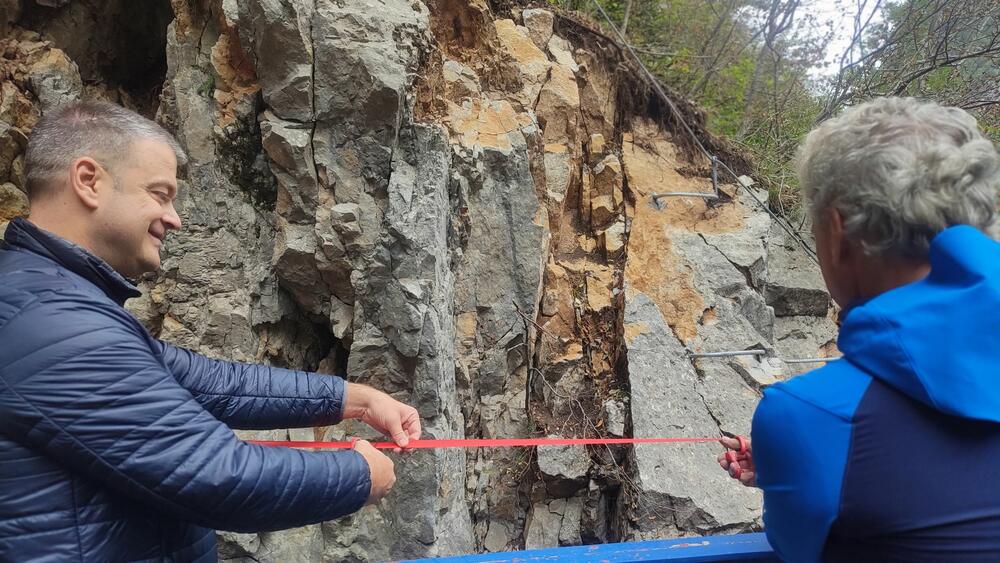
pixel 728 354
pixel 811 360
pixel 759 352
pixel 685 194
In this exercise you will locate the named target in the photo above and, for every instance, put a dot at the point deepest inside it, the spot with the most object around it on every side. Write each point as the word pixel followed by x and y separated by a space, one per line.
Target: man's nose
pixel 172 220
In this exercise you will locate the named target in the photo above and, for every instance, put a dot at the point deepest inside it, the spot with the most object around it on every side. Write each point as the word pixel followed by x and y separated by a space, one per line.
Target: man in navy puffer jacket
pixel 115 446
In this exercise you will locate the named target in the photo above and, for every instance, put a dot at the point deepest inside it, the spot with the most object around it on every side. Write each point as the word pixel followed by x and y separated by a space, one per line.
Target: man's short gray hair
pixel 900 171
pixel 100 130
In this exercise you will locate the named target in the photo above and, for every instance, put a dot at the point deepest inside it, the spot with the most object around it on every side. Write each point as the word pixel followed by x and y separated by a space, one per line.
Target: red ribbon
pixel 486 443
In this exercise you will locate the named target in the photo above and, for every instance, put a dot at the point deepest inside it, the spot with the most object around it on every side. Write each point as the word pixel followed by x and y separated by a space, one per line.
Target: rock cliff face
pixel 451 201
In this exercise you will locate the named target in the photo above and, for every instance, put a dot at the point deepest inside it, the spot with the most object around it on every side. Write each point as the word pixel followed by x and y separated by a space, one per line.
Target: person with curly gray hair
pixel 889 453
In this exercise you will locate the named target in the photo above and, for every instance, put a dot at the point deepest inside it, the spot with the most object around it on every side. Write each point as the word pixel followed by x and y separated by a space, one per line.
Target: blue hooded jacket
pixel 891 454
pixel 114 446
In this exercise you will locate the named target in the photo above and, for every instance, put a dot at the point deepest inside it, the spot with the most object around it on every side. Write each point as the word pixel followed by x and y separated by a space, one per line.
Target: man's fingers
pixel 412 425
pixel 730 443
pixel 398 434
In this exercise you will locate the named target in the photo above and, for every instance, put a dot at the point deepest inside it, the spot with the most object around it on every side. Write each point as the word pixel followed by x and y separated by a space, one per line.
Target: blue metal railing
pixel 742 547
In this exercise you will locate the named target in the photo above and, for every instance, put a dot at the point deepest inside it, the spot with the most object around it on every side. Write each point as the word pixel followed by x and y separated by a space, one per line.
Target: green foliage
pixel 942 50
pixel 207 87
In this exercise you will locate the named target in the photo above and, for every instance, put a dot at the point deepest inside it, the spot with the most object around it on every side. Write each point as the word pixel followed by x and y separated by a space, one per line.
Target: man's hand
pixel 739 465
pixel 383 413
pixel 381 468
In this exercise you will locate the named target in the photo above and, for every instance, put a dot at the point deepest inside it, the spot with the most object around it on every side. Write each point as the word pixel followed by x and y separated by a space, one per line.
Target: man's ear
pixel 840 248
pixel 87 180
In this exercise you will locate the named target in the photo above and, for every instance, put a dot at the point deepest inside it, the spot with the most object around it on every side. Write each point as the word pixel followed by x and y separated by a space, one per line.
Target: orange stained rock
pixel 237 77
pixel 520 47
pixel 558 106
pixel 13 202
pixel 484 123
pixel 599 283
pixel 652 267
pixel 655 270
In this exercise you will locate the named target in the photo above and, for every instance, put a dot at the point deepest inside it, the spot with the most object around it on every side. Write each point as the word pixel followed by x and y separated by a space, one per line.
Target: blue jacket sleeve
pixel 801 436
pixel 256 397
pixel 89 392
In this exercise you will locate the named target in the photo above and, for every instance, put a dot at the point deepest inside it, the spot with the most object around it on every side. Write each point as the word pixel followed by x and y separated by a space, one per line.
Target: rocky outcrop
pixel 456 208
pixel 679 490
pixel 800 291
pixel 690 286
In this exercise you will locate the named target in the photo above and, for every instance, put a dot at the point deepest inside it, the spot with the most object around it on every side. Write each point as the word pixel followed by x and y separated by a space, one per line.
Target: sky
pixel 841 14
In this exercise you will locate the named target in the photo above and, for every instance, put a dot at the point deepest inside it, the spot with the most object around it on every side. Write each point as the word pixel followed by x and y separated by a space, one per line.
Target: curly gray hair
pixel 100 130
pixel 901 170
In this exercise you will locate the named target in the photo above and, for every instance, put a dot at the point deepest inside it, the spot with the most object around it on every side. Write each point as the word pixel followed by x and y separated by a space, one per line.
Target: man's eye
pixel 162 196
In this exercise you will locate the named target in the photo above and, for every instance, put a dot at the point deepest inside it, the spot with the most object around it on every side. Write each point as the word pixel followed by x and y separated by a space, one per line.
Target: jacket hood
pixel 938 339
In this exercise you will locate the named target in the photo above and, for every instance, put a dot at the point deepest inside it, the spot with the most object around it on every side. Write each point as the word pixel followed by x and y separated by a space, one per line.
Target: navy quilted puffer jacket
pixel 115 446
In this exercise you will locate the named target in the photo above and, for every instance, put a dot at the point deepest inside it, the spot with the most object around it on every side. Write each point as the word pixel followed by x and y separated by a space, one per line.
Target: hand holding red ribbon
pixel 738 460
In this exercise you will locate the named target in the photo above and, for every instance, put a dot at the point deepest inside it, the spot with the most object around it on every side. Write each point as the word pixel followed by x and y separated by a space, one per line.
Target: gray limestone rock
pixel 460 79
pixel 713 272
pixel 747 249
pixel 741 319
pixel 358 241
pixel 554 523
pixel 544 524
pixel 558 175
pixel 498 253
pixel 564 468
pixel 403 307
pixel 795 285
pixel 215 287
pixel 682 488
pixel 614 411
pixel 499 536
pixel 288 145
pixel 726 394
pixel 341 319
pixel 55 79
pixel 301 545
pixel 805 337
pixel 282 37
pixel 295 266
pixel 569 530
pixel 562 52
pixel 539 23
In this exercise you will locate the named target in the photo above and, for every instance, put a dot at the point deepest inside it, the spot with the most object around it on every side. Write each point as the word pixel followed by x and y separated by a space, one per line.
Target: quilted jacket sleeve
pixel 88 391
pixel 256 397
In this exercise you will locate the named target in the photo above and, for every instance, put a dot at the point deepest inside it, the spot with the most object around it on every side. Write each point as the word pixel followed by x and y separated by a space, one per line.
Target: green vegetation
pixel 207 88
